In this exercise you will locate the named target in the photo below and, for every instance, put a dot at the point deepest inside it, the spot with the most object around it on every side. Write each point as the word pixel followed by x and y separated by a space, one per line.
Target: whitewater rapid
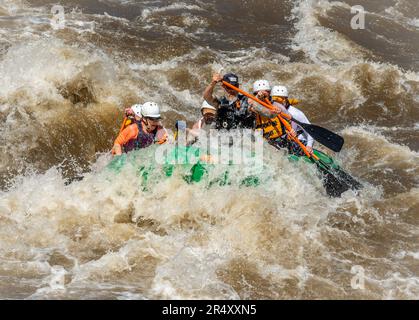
pixel 62 96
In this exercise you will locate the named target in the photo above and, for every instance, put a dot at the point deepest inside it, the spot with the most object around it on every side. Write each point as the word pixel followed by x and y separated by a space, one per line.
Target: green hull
pixel 186 161
pixel 335 180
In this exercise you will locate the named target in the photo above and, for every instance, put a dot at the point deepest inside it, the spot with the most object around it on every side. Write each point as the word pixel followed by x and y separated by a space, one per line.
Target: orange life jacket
pixel 272 127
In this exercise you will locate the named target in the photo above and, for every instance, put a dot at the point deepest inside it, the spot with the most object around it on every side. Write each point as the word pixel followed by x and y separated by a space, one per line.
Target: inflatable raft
pixel 195 166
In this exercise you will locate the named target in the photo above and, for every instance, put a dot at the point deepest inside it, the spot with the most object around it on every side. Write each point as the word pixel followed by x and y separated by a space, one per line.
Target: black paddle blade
pixel 325 137
pixel 334 187
pixel 348 179
pixel 337 181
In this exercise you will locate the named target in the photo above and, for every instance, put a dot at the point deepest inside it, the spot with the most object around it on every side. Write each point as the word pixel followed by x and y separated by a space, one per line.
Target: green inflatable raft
pixel 193 166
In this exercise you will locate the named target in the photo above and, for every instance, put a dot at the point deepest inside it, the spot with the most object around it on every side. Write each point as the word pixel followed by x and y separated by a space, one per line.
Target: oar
pixel 271 107
pixel 336 182
pixel 322 135
pixel 335 186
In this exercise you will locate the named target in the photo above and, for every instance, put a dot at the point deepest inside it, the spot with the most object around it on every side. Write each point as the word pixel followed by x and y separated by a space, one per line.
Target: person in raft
pixel 144 132
pixel 279 94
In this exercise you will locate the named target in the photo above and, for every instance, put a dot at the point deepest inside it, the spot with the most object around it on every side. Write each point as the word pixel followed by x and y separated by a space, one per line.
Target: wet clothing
pixel 275 132
pixel 302 135
pixel 194 133
pixel 234 114
pixel 199 124
pixel 135 137
pixel 272 126
pixel 291 146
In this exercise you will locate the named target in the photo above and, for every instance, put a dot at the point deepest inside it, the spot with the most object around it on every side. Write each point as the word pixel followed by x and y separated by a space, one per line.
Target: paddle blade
pixel 337 181
pixel 334 187
pixel 324 136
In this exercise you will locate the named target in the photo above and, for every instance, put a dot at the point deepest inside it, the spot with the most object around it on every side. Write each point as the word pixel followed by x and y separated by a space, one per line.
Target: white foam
pixel 414 255
pixel 57 281
pixel 204 232
pixel 175 6
pixel 199 282
pixel 373 134
pixel 403 254
pixel 12 7
pixel 398 17
pixel 320 44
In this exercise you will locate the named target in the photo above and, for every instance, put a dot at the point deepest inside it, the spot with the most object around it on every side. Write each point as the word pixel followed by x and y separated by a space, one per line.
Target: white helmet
pixel 150 110
pixel 206 105
pixel 136 108
pixel 279 91
pixel 261 85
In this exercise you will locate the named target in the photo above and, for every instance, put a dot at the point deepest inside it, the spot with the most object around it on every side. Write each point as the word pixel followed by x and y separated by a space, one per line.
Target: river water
pixel 62 96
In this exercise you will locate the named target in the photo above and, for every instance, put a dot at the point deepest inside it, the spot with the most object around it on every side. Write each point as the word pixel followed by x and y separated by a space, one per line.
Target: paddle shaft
pixel 288 129
pixel 322 135
pixel 256 99
pixel 280 116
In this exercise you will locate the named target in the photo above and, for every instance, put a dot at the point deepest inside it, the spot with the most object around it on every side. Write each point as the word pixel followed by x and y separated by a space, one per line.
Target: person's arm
pixel 162 136
pixel 126 135
pixel 209 91
pixel 192 134
pixel 281 108
pixel 301 117
pixel 129 112
pixel 265 112
pixel 196 128
pixel 310 141
pixel 259 109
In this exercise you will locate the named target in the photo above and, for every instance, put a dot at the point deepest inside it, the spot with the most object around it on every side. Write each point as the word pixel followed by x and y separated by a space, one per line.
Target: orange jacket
pixel 131 133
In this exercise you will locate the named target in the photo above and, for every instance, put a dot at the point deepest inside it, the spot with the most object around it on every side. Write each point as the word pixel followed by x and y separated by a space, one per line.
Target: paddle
pixel 336 181
pixel 322 135
pixel 335 184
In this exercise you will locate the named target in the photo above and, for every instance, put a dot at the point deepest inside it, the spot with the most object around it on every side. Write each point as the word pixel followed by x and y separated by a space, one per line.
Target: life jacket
pixel 293 102
pixel 235 114
pixel 272 127
pixel 128 122
pixel 144 139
